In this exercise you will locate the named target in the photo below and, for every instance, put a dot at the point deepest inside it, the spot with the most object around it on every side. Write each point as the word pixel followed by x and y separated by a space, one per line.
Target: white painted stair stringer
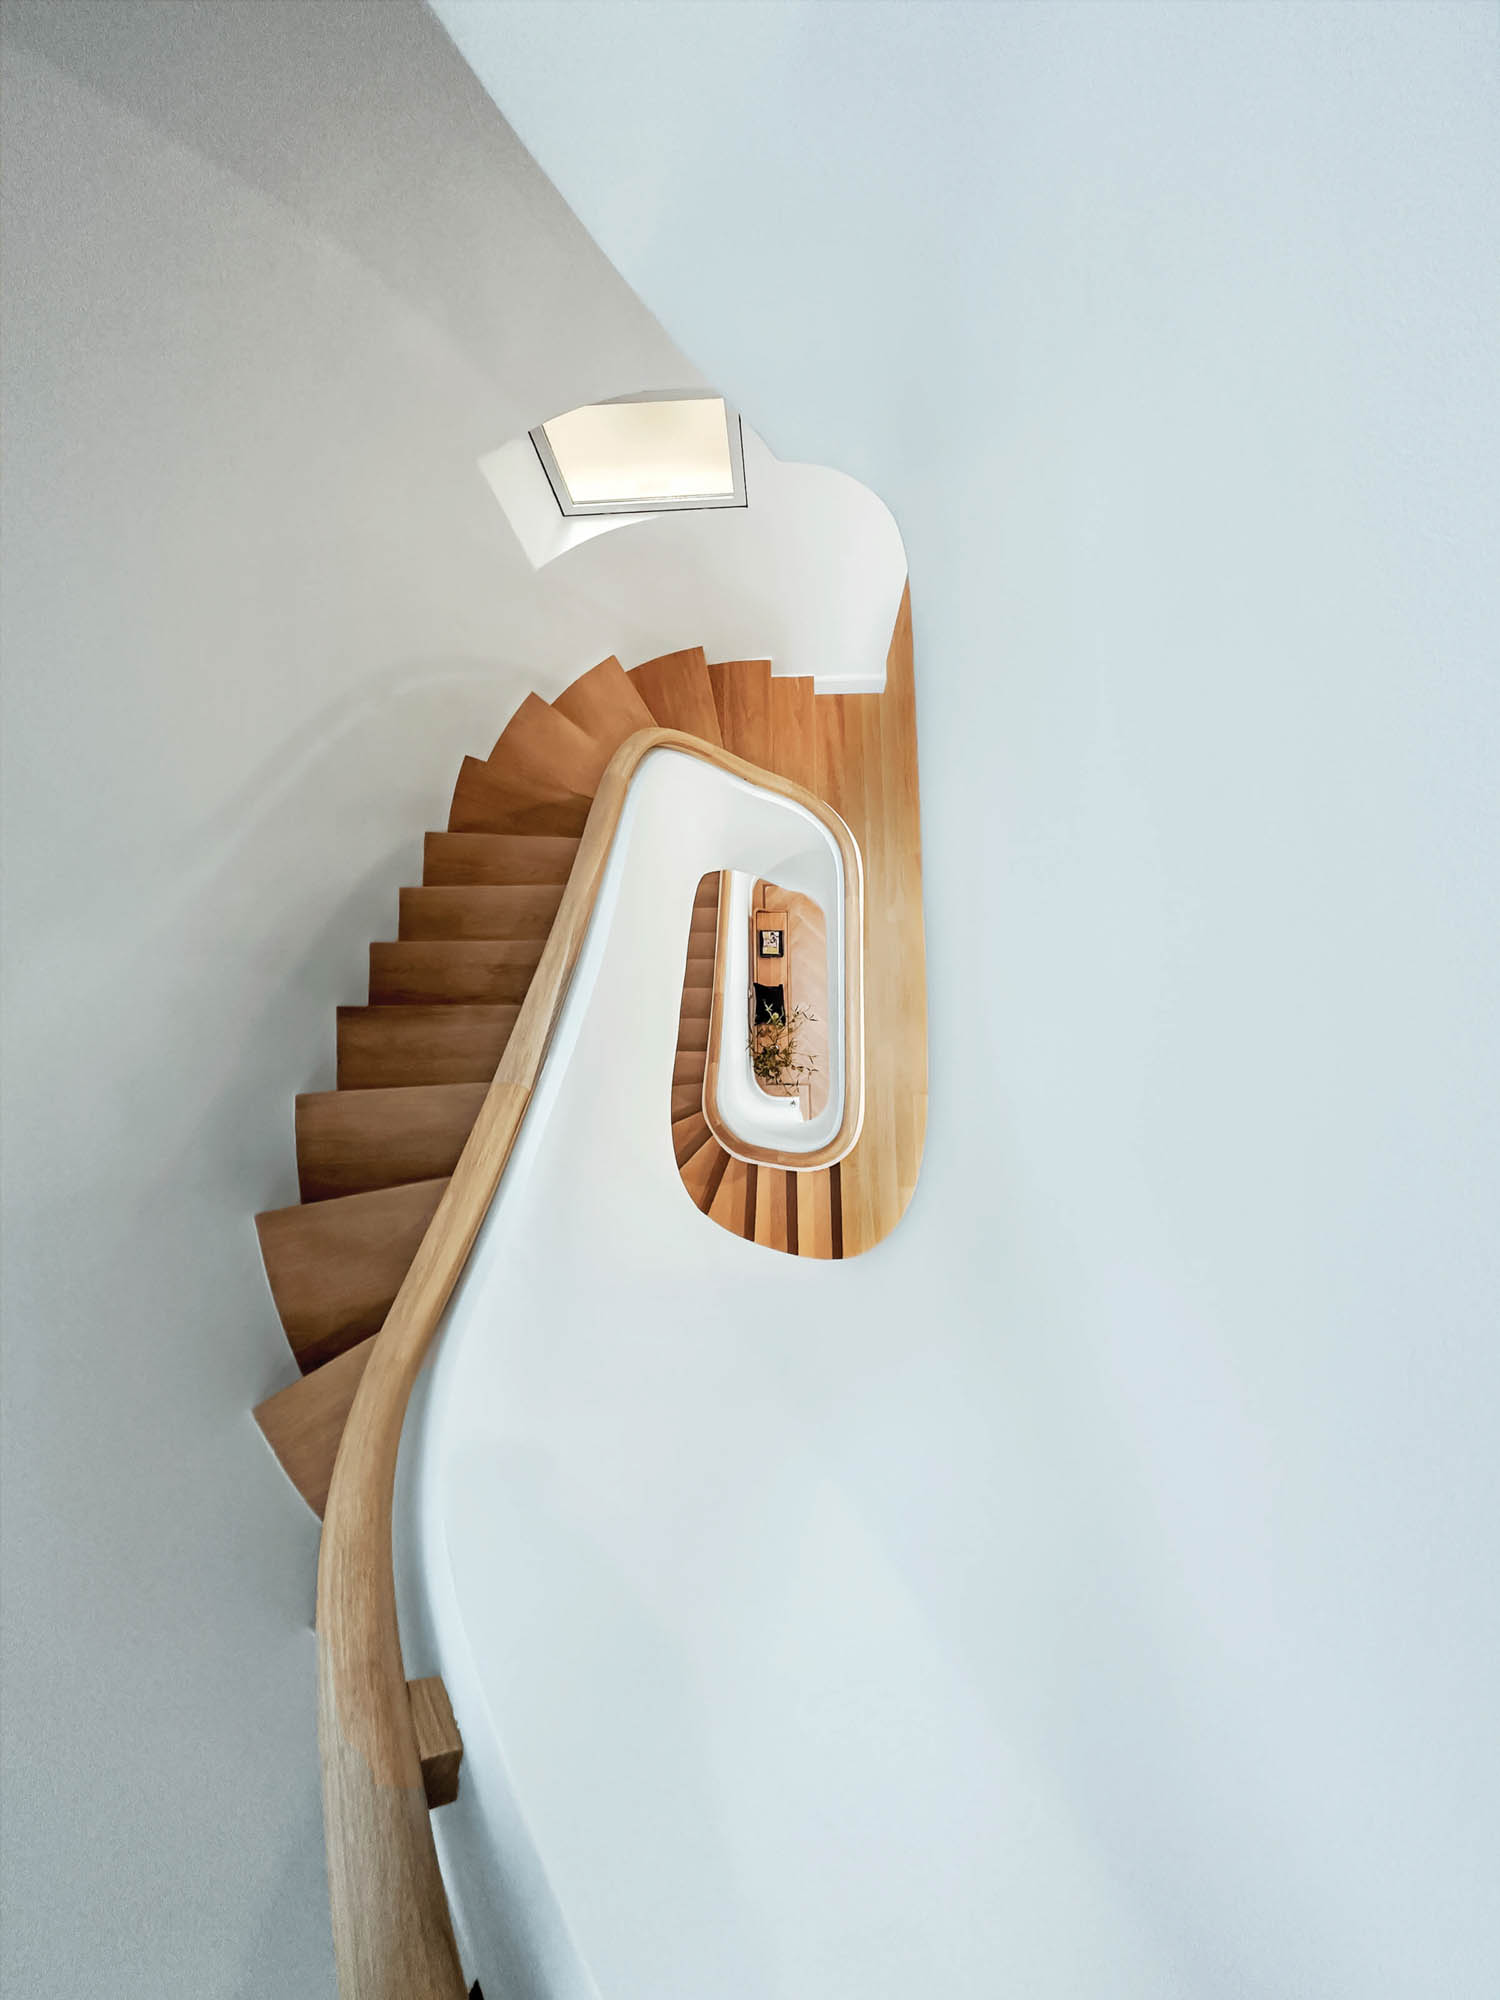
pixel 591 1234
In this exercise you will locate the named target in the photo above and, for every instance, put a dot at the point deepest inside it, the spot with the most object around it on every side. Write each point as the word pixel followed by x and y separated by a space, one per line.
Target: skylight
pixel 646 454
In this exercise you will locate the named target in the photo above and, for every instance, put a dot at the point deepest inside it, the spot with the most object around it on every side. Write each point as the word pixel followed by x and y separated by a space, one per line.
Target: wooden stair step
pixel 688 1134
pixel 544 758
pixel 699 970
pixel 704 922
pixel 794 735
pixel 513 910
pixel 696 1002
pixel 303 1424
pixel 606 705
pixel 349 1141
pixel 335 1266
pixel 730 1206
pixel 467 860
pixel 386 1047
pixel 702 1173
pixel 837 727
pixel 692 1034
pixel 677 690
pixel 686 1099
pixel 770 1207
pixel 742 700
pixel 452 971
pixel 814 1213
pixel 688 1066
pixel 483 802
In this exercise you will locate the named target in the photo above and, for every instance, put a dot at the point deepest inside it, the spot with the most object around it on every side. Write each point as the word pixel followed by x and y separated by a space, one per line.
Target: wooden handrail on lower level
pixel 393 1936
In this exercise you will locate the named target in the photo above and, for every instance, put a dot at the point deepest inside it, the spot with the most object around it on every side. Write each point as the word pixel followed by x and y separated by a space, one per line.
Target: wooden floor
pixel 867 771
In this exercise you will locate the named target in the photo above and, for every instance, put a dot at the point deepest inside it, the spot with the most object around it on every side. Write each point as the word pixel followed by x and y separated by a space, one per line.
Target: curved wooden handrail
pixel 393 1936
pixel 846 1137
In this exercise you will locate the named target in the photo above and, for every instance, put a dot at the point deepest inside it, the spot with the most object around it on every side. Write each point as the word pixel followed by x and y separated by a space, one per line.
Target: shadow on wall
pixel 808 574
pixel 366 125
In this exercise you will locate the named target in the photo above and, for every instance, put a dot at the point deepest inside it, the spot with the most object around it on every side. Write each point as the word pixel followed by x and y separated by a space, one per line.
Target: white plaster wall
pixel 1167 333
pixel 274 277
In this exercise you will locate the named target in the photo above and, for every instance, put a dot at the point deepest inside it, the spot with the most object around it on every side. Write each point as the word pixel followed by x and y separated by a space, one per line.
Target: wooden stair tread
pixel 836 1206
pixel 688 1066
pixel 484 802
pixel 686 1099
pixel 770 1207
pixel 696 1001
pixel 514 910
pixel 470 860
pixel 730 1204
pixel 702 1172
pixel 814 1215
pixel 688 1134
pixel 384 1047
pixel 794 737
pixel 335 1266
pixel 677 690
pixel 452 971
pixel 349 1141
pixel 544 758
pixel 742 700
pixel 303 1424
pixel 605 704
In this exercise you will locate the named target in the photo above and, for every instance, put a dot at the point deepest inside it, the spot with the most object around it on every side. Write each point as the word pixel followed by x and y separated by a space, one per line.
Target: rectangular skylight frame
pixel 667 504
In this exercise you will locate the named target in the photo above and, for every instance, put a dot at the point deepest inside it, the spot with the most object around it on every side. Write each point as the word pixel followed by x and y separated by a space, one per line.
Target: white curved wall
pixel 592 1211
pixel 274 277
pixel 1167 1417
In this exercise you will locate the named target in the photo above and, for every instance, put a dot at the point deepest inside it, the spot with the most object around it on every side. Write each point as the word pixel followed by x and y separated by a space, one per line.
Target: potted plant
pixel 776 1053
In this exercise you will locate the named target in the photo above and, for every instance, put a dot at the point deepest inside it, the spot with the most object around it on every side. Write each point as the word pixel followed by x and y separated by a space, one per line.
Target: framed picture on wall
pixel 771 944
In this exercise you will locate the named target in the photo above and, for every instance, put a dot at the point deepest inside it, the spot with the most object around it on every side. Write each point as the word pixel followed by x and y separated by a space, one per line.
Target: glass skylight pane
pixel 644 451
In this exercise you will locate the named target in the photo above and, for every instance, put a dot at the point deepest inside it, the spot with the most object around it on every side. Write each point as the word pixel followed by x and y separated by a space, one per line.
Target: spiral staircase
pixel 414 1064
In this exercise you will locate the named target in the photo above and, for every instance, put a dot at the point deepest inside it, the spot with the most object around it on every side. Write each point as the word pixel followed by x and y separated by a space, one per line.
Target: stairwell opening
pixel 756 555
pixel 653 453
